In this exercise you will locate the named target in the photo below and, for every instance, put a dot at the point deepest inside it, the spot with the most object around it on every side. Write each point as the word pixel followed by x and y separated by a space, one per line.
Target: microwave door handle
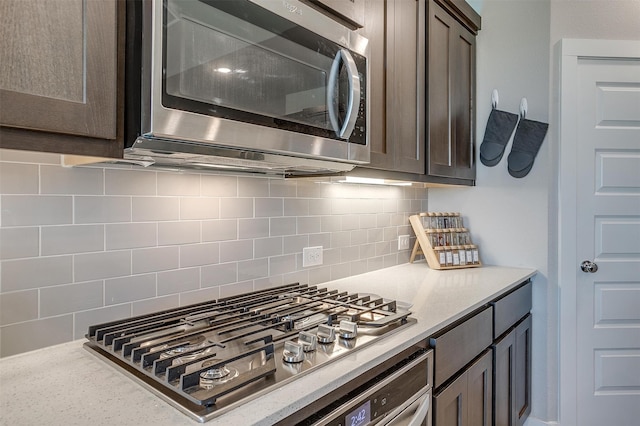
pixel 354 93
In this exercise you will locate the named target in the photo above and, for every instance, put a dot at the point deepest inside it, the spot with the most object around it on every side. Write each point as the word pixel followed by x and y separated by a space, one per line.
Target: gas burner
pixel 217 375
pixel 188 348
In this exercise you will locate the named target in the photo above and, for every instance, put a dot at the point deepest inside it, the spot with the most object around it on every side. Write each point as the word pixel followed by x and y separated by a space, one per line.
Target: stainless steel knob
pixel 589 267
pixel 308 341
pixel 293 352
pixel 348 329
pixel 326 334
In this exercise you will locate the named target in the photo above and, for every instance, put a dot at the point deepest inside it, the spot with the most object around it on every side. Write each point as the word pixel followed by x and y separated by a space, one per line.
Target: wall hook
pixel 494 98
pixel 523 108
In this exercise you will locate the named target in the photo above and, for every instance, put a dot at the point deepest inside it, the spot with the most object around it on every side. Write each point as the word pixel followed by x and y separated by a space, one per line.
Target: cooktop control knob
pixel 293 352
pixel 326 334
pixel 308 341
pixel 348 329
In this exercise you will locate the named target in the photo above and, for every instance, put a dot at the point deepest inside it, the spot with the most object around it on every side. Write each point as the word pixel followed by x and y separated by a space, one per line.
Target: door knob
pixel 589 266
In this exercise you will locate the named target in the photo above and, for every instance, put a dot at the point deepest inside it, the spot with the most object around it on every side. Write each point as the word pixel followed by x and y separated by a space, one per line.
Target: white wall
pixel 514 220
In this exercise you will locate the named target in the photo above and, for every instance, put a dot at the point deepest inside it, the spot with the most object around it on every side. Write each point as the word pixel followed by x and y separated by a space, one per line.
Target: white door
pixel 605 142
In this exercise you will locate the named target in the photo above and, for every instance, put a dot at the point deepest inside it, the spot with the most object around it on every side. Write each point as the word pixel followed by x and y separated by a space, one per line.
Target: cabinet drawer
pixel 509 309
pixel 457 347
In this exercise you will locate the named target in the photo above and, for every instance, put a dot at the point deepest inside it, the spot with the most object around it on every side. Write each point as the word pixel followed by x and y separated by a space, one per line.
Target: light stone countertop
pixel 66 384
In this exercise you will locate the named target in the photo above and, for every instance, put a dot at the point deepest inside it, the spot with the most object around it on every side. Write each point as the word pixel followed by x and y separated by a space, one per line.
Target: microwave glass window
pixel 234 59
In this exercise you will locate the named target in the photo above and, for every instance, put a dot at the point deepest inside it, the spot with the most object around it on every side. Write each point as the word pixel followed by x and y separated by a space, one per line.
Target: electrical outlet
pixel 403 242
pixel 311 256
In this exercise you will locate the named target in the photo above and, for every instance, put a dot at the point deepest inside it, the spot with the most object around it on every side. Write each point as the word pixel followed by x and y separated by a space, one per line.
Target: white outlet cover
pixel 311 256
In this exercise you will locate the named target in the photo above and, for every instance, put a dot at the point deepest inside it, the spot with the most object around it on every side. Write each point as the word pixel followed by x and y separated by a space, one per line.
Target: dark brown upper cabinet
pixel 395 30
pixel 60 76
pixel 452 29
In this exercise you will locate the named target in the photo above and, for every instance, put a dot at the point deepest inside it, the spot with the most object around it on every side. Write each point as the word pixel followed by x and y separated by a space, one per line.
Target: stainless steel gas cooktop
pixel 210 357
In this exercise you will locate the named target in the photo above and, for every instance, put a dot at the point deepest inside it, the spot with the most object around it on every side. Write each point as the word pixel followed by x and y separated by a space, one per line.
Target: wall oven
pixel 272 85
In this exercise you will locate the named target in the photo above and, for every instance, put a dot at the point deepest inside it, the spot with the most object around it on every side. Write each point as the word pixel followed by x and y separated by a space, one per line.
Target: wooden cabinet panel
pixel 467 400
pixel 512 375
pixel 59 72
pixel 522 387
pixel 395 30
pixel 451 96
pixel 448 404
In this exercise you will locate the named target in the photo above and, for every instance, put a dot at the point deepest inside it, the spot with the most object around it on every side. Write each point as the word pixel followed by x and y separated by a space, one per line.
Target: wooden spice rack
pixel 425 236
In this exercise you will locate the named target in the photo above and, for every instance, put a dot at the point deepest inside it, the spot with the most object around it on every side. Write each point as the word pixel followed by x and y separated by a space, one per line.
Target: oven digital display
pixel 360 416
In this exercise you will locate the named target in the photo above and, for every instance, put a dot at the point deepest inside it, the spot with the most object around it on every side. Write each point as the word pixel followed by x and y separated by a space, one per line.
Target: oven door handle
pixel 400 416
pixel 353 104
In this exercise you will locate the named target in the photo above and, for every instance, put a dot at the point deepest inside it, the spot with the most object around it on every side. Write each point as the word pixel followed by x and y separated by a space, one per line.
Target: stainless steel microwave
pixel 273 86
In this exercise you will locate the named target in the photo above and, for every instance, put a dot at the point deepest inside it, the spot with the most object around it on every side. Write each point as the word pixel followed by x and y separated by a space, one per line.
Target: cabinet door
pixel 451 94
pixel 58 67
pixel 504 373
pixel 449 404
pixel 480 391
pixel 405 85
pixel 395 30
pixel 522 386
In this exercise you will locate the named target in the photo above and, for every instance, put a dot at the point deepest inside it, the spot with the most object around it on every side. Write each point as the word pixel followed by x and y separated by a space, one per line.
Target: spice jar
pixel 462 254
pixel 469 254
pixel 440 254
pixel 455 256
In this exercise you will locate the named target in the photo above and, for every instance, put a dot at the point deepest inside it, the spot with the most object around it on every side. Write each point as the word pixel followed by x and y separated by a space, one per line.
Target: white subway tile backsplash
pixel 217 275
pixel 253 228
pixel 236 208
pixel 107 209
pixel 16 178
pixel 175 233
pixel 199 254
pixel 131 235
pixel 178 281
pixel 35 272
pixel 234 251
pixel 282 226
pixel 269 207
pixel 71 181
pixel 86 245
pixel 198 296
pixel 129 182
pixel 282 264
pixel 295 244
pixel 129 289
pixel 220 230
pixel 179 184
pixel 308 224
pixel 155 209
pixel 265 247
pixel 28 210
pixel 18 306
pixel 218 185
pixel 71 298
pixel 283 188
pixel 41 333
pixel 94 266
pixel 16 243
pixel 155 259
pixel 296 207
pixel 199 208
pixel 253 269
pixel 154 305
pixel 253 187
pixel 69 239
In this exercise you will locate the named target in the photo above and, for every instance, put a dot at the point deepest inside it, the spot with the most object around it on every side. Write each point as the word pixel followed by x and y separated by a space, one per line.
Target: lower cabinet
pixel 467 400
pixel 512 375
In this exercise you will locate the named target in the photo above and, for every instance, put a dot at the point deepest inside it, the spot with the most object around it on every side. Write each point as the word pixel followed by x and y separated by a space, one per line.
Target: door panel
pixel 608 233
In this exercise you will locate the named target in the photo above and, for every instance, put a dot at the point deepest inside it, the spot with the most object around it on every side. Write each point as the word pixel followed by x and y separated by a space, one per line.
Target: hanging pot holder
pixel 526 143
pixel 497 134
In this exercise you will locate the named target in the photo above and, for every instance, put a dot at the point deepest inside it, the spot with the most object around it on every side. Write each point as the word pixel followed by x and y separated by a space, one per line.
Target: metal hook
pixel 494 98
pixel 523 108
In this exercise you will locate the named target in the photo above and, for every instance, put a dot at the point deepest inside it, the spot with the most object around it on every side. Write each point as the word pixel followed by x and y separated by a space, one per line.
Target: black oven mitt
pixel 526 144
pixel 496 136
